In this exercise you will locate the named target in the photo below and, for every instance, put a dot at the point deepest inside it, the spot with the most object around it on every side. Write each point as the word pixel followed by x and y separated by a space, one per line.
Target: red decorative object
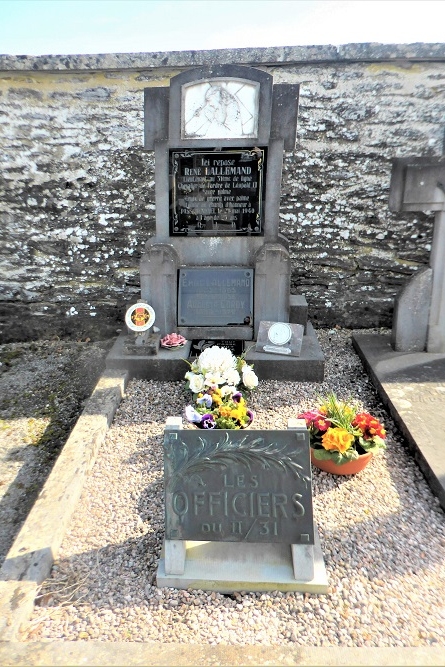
pixel 173 340
pixel 349 468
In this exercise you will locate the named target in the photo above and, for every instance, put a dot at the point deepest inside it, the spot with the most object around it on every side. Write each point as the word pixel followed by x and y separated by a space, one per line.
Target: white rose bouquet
pixel 220 382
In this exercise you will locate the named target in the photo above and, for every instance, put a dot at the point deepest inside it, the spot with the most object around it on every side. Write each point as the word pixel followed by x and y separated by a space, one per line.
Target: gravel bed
pixel 382 534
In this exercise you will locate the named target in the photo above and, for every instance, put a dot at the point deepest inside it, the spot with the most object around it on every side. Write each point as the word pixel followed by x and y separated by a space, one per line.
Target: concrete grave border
pixel 31 557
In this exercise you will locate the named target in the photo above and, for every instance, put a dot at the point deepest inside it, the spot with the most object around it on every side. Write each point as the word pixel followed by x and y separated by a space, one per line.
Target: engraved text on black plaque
pixel 217 192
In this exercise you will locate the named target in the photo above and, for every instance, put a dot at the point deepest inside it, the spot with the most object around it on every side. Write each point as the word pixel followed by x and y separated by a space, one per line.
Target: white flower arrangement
pixel 219 382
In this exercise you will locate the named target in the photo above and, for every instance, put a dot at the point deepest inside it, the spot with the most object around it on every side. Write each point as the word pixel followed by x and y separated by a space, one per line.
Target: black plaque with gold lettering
pixel 217 192
pixel 238 486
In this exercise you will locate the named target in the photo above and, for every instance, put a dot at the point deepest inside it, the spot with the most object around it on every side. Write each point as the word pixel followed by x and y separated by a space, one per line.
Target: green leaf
pixel 338 458
pixel 351 454
pixel 373 445
pixel 322 454
pixel 372 450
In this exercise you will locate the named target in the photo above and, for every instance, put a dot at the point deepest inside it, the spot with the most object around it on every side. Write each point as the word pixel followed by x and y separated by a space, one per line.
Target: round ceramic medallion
pixel 140 317
pixel 279 333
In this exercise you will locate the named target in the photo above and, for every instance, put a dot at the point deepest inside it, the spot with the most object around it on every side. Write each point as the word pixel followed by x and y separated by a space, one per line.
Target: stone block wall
pixel 77 188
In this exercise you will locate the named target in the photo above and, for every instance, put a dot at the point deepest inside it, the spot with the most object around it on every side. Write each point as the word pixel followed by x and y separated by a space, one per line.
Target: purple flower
pixel 208 421
pixel 250 415
pixel 192 415
pixel 237 397
pixel 205 400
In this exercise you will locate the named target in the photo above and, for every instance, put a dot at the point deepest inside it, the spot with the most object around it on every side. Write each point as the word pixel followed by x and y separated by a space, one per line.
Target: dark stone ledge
pixel 276 55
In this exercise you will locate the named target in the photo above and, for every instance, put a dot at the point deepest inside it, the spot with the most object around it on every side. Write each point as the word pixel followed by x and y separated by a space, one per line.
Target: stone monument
pixel 418 184
pixel 238 511
pixel 408 366
pixel 217 265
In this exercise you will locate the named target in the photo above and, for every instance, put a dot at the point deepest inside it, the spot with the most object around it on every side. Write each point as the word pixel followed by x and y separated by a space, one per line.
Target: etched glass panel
pixel 220 109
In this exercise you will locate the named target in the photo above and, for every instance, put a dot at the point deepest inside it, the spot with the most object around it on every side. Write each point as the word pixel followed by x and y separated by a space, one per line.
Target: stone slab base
pixel 149 347
pixel 308 367
pixel 412 385
pixel 228 567
pixel 169 365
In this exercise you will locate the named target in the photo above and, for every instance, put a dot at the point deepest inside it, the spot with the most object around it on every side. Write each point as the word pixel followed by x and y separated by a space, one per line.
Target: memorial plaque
pixel 238 486
pixel 140 317
pixel 215 297
pixel 280 338
pixel 217 192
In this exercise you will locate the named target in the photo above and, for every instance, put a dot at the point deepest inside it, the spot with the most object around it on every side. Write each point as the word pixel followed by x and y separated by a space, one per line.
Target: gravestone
pixel 245 495
pixel 408 366
pixel 218 265
pixel 418 184
pixel 218 136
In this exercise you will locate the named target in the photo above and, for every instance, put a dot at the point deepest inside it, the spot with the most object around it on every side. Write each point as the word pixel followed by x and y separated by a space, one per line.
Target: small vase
pixel 350 468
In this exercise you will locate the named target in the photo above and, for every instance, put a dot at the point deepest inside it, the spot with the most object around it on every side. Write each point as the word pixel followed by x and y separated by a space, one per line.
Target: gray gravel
pixel 382 535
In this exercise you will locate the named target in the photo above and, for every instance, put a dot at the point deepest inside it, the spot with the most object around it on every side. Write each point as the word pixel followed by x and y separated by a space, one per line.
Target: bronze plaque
pixel 217 192
pixel 238 486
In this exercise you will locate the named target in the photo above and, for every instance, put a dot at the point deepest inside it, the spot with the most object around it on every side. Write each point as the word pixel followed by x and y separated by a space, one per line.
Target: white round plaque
pixel 279 333
pixel 140 317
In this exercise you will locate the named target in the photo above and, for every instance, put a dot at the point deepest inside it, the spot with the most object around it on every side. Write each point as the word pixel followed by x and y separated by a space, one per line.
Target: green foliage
pixel 9 355
pixel 340 413
pixel 341 431
pixel 336 457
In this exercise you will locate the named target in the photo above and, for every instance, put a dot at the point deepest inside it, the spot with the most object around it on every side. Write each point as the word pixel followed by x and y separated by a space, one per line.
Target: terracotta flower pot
pixel 350 468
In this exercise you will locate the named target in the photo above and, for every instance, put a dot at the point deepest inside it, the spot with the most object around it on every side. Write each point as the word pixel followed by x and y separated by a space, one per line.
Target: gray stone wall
pixel 77 189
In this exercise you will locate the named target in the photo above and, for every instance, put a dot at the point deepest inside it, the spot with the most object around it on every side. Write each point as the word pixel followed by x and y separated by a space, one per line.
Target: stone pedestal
pixel 170 365
pixel 228 567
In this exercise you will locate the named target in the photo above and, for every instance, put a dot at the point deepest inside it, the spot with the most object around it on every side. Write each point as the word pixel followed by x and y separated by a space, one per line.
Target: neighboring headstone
pixel 280 338
pixel 411 312
pixel 418 184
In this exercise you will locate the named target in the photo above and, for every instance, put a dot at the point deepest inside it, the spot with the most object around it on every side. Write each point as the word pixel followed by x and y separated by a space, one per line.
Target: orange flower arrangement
pixel 338 431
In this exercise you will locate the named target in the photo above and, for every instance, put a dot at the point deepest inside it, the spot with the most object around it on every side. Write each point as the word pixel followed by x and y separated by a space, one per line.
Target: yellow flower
pixel 216 397
pixel 338 439
pixel 238 413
